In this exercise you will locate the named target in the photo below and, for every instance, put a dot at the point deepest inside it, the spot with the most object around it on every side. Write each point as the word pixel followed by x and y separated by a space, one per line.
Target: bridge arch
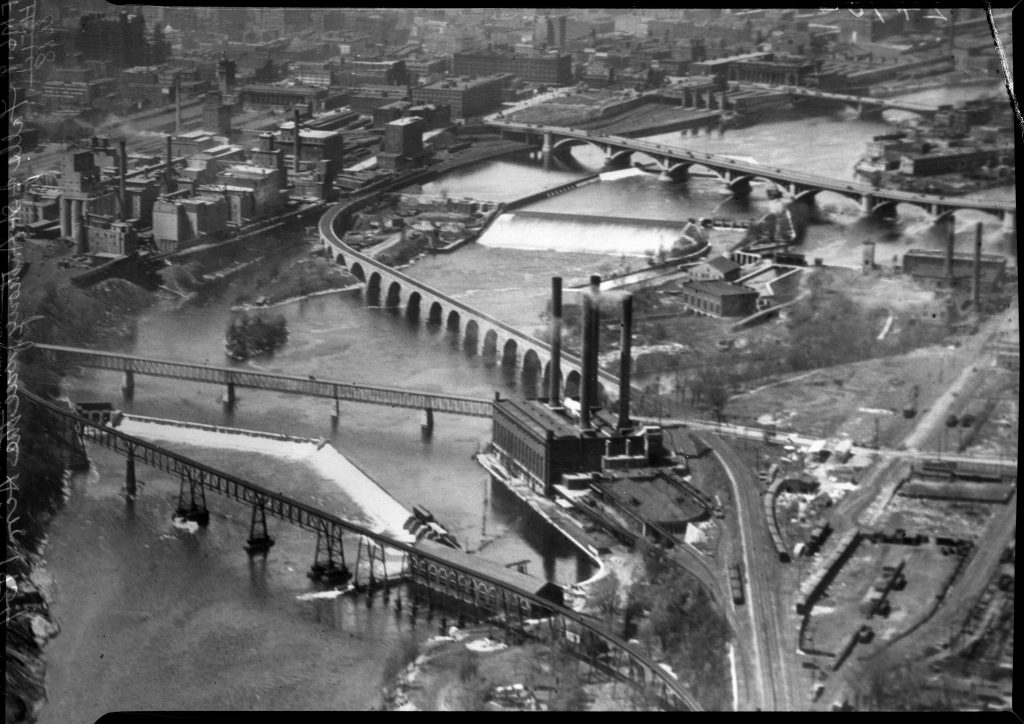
pixel 435 314
pixel 489 350
pixel 572 385
pixel 393 300
pixel 510 354
pixel 412 306
pixel 471 336
pixel 373 290
pixel 340 259
pixel 531 375
pixel 358 273
pixel 454 322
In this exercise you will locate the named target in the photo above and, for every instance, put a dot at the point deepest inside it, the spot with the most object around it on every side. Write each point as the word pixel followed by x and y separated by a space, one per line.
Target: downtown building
pixel 551 68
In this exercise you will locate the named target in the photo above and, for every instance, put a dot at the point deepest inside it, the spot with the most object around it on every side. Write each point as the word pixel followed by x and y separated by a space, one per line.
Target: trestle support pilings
pixel 192 507
pixel 329 571
pixel 259 541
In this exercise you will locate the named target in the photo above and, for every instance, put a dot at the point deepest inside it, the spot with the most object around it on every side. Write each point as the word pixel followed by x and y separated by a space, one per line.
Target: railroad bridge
pixel 524 355
pixel 232 377
pixel 674 163
pixel 439 576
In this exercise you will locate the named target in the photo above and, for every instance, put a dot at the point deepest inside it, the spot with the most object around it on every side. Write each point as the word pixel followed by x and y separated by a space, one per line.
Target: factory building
pixel 467 98
pixel 718 298
pixel 931 265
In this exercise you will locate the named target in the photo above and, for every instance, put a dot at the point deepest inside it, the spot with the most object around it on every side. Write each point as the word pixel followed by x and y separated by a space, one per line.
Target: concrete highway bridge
pixel 476 332
pixel 232 377
pixel 675 163
pixel 478 595
pixel 865 105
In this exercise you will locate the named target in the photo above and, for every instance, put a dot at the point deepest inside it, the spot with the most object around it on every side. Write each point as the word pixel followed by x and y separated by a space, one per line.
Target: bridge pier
pixel 128 387
pixel 545 149
pixel 867 204
pixel 336 415
pixel 330 571
pixel 195 510
pixel 129 476
pixel 229 395
pixel 427 427
pixel 1009 223
pixel 259 541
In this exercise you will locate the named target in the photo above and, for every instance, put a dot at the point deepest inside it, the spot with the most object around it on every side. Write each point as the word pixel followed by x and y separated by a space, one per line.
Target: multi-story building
pixel 467 98
pixel 546 68
pixel 378 72
pixel 318 74
pixel 403 143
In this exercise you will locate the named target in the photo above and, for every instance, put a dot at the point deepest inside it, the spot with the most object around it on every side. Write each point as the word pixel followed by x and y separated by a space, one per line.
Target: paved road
pixel 767 618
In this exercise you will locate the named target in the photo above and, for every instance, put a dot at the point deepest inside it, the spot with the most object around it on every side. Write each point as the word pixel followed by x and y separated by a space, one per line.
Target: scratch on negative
pixel 1002 62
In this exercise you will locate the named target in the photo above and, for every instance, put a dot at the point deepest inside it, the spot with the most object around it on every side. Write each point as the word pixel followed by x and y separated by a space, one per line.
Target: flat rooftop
pixel 719 288
pixel 652 494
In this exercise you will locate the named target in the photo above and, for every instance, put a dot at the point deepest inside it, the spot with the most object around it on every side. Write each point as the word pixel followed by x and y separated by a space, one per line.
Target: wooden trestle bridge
pixel 231 378
pixel 439 580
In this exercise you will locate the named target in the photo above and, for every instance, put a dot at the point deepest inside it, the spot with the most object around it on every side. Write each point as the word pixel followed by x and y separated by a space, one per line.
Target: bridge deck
pixel 344 391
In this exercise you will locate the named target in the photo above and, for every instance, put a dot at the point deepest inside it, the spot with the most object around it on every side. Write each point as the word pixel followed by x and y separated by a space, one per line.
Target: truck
pixel 736 583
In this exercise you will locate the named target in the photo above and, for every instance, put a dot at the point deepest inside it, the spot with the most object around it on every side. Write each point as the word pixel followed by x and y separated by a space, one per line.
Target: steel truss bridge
pixel 485 596
pixel 232 378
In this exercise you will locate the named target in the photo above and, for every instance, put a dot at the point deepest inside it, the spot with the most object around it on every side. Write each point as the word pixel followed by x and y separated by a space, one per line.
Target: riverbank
pixel 301 280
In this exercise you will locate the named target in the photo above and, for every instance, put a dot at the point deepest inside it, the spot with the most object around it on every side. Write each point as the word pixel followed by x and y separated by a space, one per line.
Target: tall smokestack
pixel 587 329
pixel 177 102
pixel 167 171
pixel 595 326
pixel 625 361
pixel 561 31
pixel 122 161
pixel 555 395
pixel 976 280
pixel 950 241
pixel 551 31
pixel 297 144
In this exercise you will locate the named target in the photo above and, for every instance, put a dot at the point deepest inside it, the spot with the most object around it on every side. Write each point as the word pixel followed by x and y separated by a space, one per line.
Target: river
pixel 154 618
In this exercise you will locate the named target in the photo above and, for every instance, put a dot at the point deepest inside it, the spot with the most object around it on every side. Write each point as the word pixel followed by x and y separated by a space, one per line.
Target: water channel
pixel 154 618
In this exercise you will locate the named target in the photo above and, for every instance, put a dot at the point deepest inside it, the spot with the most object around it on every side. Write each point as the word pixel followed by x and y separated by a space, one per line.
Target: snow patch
pixel 189 526
pixel 385 514
pixel 485 645
pixel 313 595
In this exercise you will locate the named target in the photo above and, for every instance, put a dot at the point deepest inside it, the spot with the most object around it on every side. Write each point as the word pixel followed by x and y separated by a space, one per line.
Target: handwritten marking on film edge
pixel 905 12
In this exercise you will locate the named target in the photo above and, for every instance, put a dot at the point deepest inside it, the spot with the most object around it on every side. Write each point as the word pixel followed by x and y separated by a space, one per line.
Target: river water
pixel 152 616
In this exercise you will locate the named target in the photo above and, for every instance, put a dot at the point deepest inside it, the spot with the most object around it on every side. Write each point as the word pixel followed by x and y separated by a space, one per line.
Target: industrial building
pixel 617 473
pixel 931 265
pixel 719 298
pixel 467 98
pixel 720 268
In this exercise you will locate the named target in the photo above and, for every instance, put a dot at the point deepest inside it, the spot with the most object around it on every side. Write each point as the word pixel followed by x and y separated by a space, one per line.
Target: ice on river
pixel 386 515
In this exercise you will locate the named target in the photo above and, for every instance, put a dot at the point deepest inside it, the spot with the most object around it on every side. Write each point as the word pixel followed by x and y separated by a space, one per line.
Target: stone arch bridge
pixel 524 355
